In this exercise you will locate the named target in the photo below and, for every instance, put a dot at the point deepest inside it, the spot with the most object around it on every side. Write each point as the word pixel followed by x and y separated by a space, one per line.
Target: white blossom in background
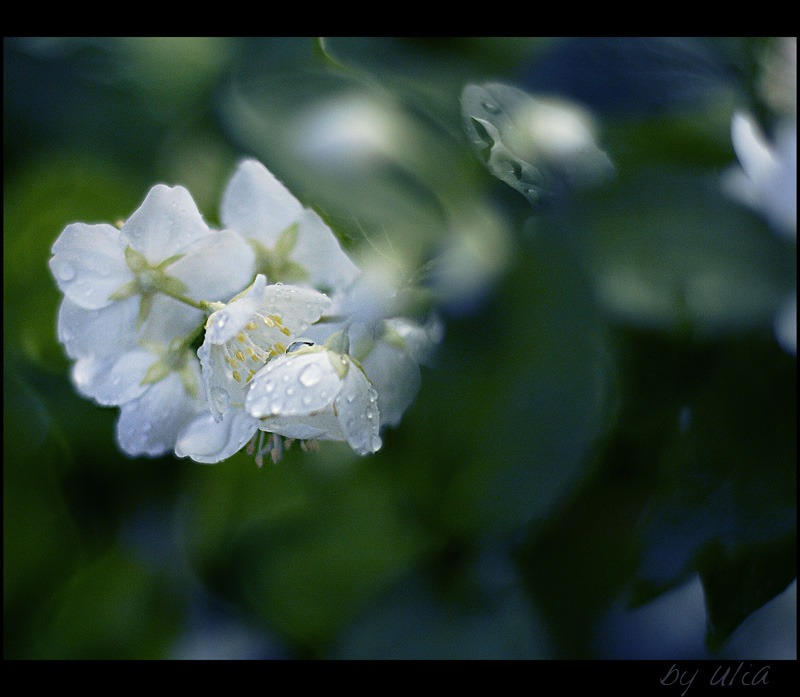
pixel 139 301
pixel 766 179
pixel 537 144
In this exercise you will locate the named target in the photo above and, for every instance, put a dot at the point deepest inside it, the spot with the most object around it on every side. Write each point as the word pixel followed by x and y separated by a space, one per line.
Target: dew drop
pixel 269 385
pixel 311 375
pixel 259 407
pixel 491 107
pixel 66 272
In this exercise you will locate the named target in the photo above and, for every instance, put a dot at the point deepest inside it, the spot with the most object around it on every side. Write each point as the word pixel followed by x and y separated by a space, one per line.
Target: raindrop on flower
pixel 311 375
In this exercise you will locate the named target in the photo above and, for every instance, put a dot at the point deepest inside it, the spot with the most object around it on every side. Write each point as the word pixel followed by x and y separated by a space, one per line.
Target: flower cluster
pixel 210 340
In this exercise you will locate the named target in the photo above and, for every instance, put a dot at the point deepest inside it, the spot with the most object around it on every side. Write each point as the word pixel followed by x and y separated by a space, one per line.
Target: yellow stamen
pixel 236 376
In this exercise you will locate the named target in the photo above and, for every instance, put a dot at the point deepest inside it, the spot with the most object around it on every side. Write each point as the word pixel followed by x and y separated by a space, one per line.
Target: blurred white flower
pixel 769 633
pixel 534 145
pixel 391 361
pixel 766 179
pixel 317 393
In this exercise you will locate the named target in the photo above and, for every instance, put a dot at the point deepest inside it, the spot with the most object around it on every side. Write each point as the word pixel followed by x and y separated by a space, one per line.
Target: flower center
pixel 252 347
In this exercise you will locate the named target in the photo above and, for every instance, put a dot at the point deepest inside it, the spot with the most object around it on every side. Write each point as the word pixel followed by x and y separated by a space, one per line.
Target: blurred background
pixel 601 460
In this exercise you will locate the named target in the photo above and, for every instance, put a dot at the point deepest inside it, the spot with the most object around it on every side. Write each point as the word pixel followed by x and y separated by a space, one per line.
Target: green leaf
pixel 541 377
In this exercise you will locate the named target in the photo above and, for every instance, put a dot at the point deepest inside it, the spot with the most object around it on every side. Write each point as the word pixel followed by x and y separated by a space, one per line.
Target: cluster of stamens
pixel 271 443
pixel 237 352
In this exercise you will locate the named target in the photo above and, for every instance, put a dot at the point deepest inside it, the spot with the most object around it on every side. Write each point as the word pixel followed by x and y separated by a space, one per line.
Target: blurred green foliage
pixel 609 411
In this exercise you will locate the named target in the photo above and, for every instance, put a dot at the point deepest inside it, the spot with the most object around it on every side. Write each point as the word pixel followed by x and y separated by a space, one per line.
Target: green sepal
pixel 125 291
pixel 169 285
pixel 136 261
pixel 171 260
pixel 287 240
pixel 188 379
pixel 144 309
pixel 158 371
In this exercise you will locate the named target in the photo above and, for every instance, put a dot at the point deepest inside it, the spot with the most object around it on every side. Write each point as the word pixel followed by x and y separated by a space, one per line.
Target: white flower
pixel 316 393
pixel 524 141
pixel 164 248
pixel 767 182
pixel 294 244
pixel 391 361
pixel 130 338
pixel 240 338
pixel 767 177
pixel 244 334
pixel 157 389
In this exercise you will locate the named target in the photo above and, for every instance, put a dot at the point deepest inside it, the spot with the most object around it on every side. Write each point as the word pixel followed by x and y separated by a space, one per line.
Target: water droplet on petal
pixel 259 407
pixel 491 107
pixel 311 375
pixel 65 271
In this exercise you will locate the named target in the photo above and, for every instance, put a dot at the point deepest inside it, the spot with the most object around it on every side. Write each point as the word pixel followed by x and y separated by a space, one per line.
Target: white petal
pixel 321 425
pixel 319 252
pixel 396 377
pixel 88 263
pixel 107 331
pixel 217 267
pixel 751 147
pixel 208 441
pixel 293 384
pixel 357 407
pixel 113 380
pixel 257 205
pixel 298 307
pixel 165 223
pixel 168 319
pixel 226 323
pixel 218 382
pixel 150 424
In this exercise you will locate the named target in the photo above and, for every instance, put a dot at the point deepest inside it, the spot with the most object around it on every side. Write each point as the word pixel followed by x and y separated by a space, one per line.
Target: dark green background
pixel 570 446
